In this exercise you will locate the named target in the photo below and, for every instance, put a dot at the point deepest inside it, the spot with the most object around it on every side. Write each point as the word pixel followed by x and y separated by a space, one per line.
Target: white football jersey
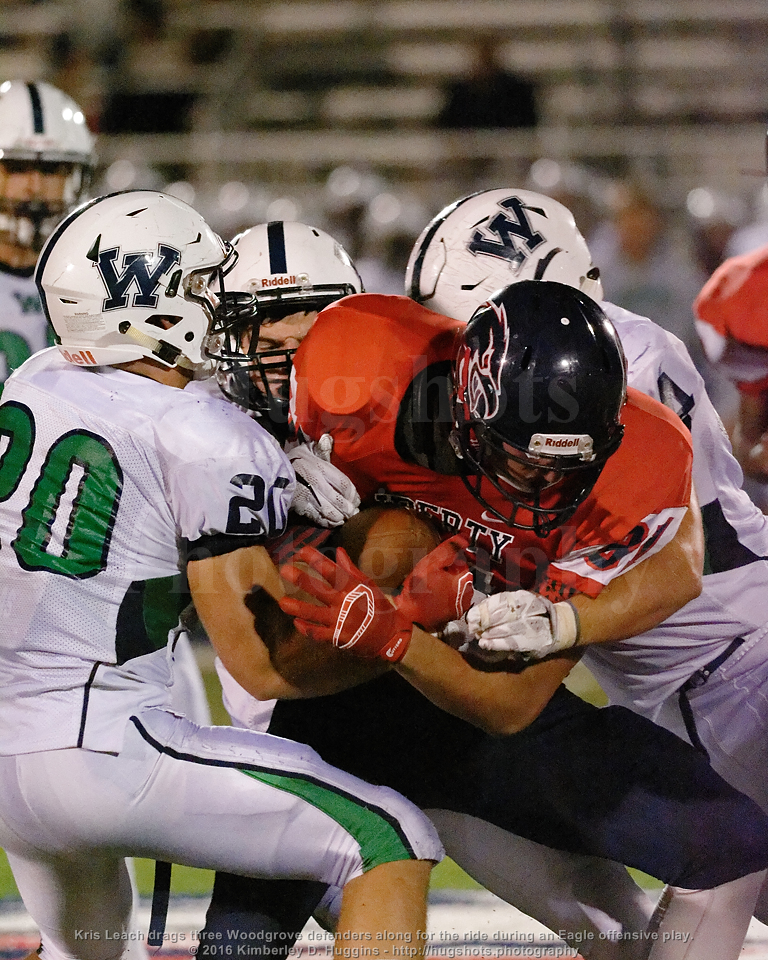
pixel 104 475
pixel 643 671
pixel 23 327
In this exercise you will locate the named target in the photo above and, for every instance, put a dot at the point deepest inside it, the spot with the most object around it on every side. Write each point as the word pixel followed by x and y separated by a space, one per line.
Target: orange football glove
pixel 439 588
pixel 353 613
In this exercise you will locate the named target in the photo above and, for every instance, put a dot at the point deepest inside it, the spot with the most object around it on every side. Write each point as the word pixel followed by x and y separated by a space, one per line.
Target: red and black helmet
pixel 540 380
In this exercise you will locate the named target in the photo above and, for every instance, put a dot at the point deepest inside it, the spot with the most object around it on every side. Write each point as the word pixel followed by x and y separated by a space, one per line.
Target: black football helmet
pixel 540 379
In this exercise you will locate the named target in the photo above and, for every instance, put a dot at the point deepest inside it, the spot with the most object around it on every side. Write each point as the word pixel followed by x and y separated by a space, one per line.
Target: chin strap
pixel 165 352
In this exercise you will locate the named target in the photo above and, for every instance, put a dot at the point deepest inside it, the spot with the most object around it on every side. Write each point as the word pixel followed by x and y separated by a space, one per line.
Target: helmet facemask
pixel 281 266
pixel 542 493
pixel 26 221
pixel 256 377
pixel 539 382
pixel 46 163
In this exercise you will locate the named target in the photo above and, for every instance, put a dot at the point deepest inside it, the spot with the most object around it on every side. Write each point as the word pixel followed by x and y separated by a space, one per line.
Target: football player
pixel 47 159
pixel 116 481
pixel 46 163
pixel 662 673
pixel 46 167
pixel 730 313
pixel 701 673
pixel 565 522
pixel 292 266
pixel 292 270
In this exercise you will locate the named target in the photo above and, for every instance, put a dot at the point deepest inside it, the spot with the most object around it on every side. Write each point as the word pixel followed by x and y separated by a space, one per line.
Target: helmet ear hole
pixel 162 321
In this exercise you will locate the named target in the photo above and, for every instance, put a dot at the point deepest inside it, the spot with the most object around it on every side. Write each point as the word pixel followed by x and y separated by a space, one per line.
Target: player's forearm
pixel 649 592
pixel 235 597
pixel 499 702
pixel 220 587
pixel 317 670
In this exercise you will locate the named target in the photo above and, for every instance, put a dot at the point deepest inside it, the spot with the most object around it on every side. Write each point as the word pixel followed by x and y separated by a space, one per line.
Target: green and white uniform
pixel 23 327
pixel 105 478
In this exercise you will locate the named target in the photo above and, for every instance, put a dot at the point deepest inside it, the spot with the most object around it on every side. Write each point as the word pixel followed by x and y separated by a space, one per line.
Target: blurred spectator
pixel 147 69
pixel 732 312
pixel 489 96
pixel 714 216
pixel 152 111
pixel 647 267
pixel 754 234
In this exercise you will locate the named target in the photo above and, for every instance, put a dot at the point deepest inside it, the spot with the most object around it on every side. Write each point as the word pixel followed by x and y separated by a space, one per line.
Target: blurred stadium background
pixel 332 111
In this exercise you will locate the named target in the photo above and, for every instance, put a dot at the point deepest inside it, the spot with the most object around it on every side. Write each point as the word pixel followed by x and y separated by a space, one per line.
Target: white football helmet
pixel 289 268
pixel 490 239
pixel 119 269
pixel 42 129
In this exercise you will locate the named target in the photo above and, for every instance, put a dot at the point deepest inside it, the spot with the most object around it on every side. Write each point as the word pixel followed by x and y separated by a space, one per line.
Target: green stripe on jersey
pixel 378 840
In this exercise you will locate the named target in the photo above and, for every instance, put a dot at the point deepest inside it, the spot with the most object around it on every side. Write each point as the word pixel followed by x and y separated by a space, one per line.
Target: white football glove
pixel 520 622
pixel 457 634
pixel 323 494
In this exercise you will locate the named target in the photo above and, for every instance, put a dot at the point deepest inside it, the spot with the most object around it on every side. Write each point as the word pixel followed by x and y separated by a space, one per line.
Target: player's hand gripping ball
pixel 354 614
pixel 439 588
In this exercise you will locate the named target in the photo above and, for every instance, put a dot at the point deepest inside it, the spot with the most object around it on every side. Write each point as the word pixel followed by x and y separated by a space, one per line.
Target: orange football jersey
pixel 734 301
pixel 350 377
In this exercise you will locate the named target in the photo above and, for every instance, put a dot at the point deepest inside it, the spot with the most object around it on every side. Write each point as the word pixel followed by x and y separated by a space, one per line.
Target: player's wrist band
pixel 566 626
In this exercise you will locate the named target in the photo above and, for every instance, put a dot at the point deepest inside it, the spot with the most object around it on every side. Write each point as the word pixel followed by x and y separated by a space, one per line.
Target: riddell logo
pixel 562 442
pixel 281 281
pixel 572 443
pixel 83 357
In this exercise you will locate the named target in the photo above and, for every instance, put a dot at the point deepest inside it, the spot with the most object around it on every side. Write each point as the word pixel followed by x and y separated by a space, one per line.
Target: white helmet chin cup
pixel 285 264
pixel 121 269
pixel 490 239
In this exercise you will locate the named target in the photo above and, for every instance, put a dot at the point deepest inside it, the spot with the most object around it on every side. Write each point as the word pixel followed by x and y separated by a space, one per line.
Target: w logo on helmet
pixel 516 237
pixel 141 272
pixel 484 369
